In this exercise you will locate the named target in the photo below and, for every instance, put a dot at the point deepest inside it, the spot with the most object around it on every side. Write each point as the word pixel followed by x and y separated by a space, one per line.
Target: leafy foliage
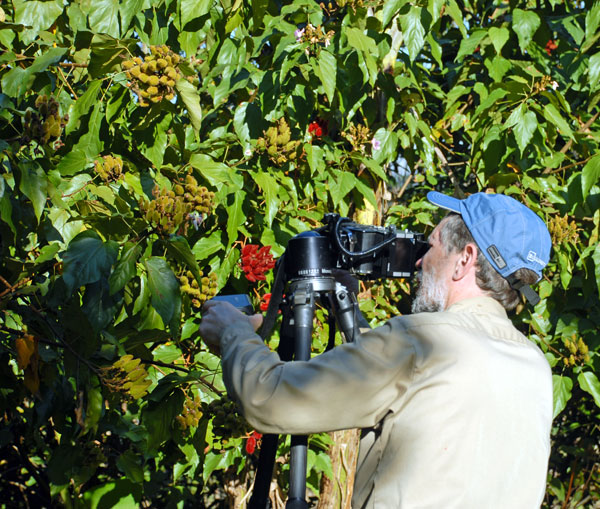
pixel 276 112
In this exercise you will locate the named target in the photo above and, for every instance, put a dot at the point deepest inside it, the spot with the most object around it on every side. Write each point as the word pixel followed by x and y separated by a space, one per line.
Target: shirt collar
pixel 478 305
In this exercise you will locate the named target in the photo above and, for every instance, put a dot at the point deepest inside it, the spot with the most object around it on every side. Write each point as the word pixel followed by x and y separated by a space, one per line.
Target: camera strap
pixel 276 299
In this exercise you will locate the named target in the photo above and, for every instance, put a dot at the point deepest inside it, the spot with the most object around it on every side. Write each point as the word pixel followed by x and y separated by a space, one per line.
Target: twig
pixel 71 64
pixel 569 143
pixel 67 83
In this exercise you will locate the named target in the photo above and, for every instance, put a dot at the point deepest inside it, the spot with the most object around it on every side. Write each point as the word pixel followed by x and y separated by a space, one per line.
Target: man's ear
pixel 466 262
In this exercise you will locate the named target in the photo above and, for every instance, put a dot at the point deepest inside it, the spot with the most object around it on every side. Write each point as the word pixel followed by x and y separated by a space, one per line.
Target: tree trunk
pixel 336 493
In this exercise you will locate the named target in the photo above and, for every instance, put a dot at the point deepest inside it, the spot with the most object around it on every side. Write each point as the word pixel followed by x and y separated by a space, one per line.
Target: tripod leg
pixel 303 303
pixel 264 473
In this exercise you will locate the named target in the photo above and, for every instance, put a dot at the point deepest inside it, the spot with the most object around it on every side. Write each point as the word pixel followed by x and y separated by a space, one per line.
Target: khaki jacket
pixel 456 406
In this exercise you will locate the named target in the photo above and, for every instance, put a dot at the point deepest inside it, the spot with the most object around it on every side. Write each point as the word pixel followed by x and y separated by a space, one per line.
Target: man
pixel 455 404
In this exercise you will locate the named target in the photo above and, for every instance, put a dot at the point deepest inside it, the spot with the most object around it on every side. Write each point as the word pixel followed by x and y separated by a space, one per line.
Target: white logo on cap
pixel 533 257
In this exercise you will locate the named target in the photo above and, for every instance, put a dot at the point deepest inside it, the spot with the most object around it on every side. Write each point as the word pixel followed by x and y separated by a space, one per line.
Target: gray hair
pixel 455 235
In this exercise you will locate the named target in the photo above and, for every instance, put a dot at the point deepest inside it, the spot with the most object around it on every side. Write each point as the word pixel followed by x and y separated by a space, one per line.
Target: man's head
pixel 513 240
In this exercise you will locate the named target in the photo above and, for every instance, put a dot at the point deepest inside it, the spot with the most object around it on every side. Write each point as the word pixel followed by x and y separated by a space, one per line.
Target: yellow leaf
pixel 26 347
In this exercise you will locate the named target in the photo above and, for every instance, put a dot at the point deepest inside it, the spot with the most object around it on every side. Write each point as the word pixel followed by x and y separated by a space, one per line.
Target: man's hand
pixel 216 315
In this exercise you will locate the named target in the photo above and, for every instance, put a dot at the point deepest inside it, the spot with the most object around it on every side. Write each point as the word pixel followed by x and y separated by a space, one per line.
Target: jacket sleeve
pixel 350 386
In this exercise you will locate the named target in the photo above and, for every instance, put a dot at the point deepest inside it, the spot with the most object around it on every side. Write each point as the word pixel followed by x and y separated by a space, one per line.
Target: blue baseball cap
pixel 509 234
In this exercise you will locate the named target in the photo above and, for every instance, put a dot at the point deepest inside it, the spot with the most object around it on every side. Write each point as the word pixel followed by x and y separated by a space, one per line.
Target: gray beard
pixel 431 294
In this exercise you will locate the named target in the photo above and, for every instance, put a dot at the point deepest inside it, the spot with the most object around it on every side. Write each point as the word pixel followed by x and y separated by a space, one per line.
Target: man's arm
pixel 352 385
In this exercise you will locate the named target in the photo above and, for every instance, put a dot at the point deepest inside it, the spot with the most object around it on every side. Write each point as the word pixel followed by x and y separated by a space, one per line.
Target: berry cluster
pixel 153 78
pixel 277 143
pixel 199 198
pixel 171 209
pixel 550 46
pixel 109 168
pixel 253 441
pixel 191 413
pixel 199 292
pixel 256 262
pixel 226 421
pixel 578 351
pixel 167 211
pixel 317 128
pixel 264 302
pixel 127 375
pixel 45 123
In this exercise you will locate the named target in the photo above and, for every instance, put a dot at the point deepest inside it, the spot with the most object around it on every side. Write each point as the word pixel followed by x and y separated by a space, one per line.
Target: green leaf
pixel 562 386
pixel 34 185
pixel 552 115
pixel 179 249
pixel 594 71
pixel 125 269
pixel 164 289
pixel 191 99
pixel 193 9
pixel 235 215
pixel 414 33
pixel 360 41
pixel 592 21
pixel 120 494
pixel 16 82
pixel 388 141
pixel 216 173
pixel 456 14
pixel 315 157
pixel 588 381
pixel 340 184
pixel 38 15
pixel 94 407
pixel 207 246
pixel 596 258
pixel 130 464
pixel 82 106
pixel 90 143
pixel 87 260
pixel 72 163
pixel 159 418
pixel 327 71
pixel 390 11
pixel 499 37
pixel 470 44
pixel 270 191
pixel 128 9
pixel 590 175
pixel 104 17
pixel 524 124
pixel 525 24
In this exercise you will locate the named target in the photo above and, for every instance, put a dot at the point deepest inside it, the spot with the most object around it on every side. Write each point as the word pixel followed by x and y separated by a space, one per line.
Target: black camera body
pixel 368 252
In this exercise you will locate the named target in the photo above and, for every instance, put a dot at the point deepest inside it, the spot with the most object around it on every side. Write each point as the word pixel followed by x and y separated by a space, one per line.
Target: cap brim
pixel 444 201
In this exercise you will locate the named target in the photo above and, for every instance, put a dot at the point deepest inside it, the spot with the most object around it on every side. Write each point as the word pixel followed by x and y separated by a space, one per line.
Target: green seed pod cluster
pixel 128 375
pixel 109 168
pixel 578 351
pixel 562 230
pixel 153 78
pixel 191 413
pixel 44 124
pixel 168 211
pixel 226 421
pixel 199 291
pixel 277 143
pixel 198 197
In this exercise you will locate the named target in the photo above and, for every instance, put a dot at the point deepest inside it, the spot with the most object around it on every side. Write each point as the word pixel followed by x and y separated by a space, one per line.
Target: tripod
pixel 295 344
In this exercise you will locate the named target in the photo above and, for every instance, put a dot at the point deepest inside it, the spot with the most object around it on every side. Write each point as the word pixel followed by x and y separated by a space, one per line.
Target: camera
pixel 367 252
